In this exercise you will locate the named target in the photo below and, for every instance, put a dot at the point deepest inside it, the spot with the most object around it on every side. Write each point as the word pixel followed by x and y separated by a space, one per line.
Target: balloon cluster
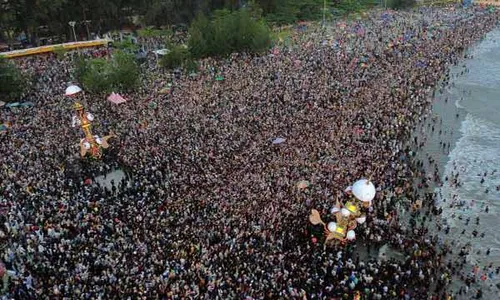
pixel 347 216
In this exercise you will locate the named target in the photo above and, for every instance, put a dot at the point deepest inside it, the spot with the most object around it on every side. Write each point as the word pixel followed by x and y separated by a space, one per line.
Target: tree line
pixel 241 26
pixel 34 20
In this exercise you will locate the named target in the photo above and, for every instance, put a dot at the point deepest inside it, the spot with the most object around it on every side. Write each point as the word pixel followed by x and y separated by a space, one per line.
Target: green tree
pixel 290 11
pixel 268 6
pixel 30 15
pixel 175 58
pixel 168 12
pixel 201 36
pixel 179 57
pixel 150 31
pixel 96 76
pixel 126 45
pixel 124 71
pixel 228 32
pixel 400 4
pixel 7 21
pixel 255 9
pixel 51 17
pixel 12 82
pixel 348 7
pixel 99 75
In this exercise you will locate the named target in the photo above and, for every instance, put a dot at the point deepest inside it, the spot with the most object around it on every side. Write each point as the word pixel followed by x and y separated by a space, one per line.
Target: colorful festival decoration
pixel 91 144
pixel 348 215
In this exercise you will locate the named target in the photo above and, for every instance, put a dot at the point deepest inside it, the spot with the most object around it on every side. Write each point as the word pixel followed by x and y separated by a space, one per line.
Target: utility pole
pixel 72 24
pixel 324 12
pixel 87 22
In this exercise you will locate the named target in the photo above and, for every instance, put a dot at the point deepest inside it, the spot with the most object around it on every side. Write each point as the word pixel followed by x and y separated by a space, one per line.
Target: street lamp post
pixel 72 24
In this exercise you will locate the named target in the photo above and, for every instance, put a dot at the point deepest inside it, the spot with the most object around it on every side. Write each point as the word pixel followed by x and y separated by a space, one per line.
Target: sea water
pixel 475 157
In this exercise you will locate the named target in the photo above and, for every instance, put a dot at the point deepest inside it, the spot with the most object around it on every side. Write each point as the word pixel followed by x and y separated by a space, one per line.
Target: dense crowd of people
pixel 211 209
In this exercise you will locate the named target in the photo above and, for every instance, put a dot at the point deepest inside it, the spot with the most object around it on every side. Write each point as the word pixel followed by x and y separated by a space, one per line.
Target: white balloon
pixel 90 117
pixel 361 219
pixel 86 145
pixel 332 226
pixel 351 235
pixel 345 212
pixel 364 190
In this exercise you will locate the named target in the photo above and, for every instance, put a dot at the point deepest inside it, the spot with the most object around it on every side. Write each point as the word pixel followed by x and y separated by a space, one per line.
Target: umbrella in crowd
pixel 166 89
pixel 116 98
pixel 279 140
pixel 303 184
pixel 14 104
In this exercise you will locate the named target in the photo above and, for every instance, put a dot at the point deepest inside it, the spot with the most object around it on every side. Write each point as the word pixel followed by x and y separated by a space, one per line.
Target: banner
pixel 51 48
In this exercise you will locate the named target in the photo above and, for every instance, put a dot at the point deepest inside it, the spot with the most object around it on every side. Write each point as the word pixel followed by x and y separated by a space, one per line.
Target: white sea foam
pixel 476 95
pixel 476 152
pixel 457 104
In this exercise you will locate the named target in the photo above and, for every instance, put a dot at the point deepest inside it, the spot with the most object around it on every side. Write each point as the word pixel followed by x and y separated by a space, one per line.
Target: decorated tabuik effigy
pixel 91 144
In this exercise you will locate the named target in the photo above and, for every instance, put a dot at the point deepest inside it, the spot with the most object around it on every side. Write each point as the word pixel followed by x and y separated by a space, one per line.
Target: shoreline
pixel 446 108
pixel 442 107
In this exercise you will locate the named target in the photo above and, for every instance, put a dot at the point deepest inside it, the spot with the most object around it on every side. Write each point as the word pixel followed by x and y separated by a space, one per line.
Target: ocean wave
pixel 487 45
pixel 477 152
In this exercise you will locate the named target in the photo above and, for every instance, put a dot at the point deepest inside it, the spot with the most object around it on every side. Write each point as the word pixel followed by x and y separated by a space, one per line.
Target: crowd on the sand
pixel 211 209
